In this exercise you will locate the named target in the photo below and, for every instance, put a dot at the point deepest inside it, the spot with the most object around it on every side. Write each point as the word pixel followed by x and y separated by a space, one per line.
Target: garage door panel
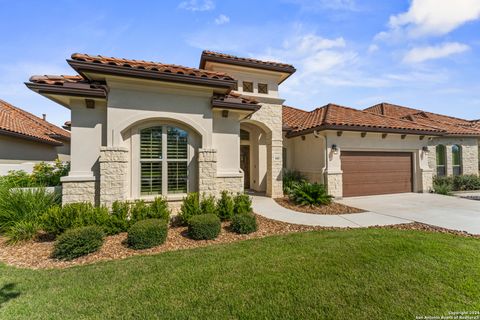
pixel 370 173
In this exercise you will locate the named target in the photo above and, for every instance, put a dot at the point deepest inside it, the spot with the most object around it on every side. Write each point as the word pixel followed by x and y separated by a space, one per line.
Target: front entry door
pixel 245 165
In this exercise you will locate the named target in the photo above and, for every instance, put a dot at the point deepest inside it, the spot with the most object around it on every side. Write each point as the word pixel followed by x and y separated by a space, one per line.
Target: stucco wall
pixel 226 140
pixel 469 153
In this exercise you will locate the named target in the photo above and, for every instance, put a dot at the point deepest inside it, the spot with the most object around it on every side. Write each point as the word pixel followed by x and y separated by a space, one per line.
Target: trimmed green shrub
pixel 244 223
pixel 190 207
pixel 119 221
pixel 204 227
pixel 292 178
pixel 78 242
pixel 147 233
pixel 159 209
pixel 466 182
pixel 207 205
pixel 22 208
pixel 225 206
pixel 242 204
pixel 138 211
pixel 312 194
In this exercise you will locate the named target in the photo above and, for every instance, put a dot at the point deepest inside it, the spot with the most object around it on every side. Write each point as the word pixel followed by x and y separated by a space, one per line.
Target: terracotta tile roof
pixel 234 96
pixel 21 123
pixel 57 80
pixel 151 66
pixel 334 116
pixel 451 125
pixel 207 55
pixel 236 101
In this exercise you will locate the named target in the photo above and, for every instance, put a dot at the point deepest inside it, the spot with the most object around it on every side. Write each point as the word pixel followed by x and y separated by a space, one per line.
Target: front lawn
pixel 337 274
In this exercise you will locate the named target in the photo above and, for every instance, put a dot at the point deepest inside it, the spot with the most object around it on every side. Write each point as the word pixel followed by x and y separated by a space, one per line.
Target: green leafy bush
pixel 119 217
pixel 312 194
pixel 207 205
pixel 204 227
pixel 444 189
pixel 244 223
pixel 20 208
pixel 57 220
pixel 43 175
pixel 242 204
pixel 78 242
pixel 292 178
pixel 16 179
pixel 225 206
pixel 147 233
pixel 447 184
pixel 190 207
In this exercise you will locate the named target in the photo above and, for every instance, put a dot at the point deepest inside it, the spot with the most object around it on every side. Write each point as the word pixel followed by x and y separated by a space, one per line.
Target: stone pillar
pixel 113 174
pixel 470 159
pixel 427 180
pixel 78 190
pixel 207 171
pixel 275 187
pixel 334 183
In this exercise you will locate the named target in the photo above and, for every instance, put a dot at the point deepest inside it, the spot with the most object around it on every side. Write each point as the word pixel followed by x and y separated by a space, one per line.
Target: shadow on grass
pixel 8 292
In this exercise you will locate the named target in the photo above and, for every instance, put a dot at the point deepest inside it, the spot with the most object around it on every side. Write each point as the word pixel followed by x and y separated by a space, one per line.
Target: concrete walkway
pixel 268 208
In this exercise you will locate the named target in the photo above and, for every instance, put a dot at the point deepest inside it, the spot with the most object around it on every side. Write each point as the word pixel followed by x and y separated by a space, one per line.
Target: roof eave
pixel 83 67
pixel 205 58
pixel 27 137
pixel 364 129
pixel 236 106
pixel 43 88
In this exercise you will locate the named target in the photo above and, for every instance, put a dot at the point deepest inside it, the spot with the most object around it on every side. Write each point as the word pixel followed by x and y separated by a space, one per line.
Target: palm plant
pixel 311 194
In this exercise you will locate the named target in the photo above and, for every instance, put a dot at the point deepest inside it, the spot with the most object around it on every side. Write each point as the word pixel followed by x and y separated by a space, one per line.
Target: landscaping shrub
pixel 16 178
pixel 242 204
pixel 207 205
pixel 20 208
pixel 204 227
pixel 444 185
pixel 43 175
pixel 244 223
pixel 442 188
pixel 57 220
pixel 225 206
pixel 78 242
pixel 147 233
pixel 312 194
pixel 292 178
pixel 119 217
pixel 190 207
pixel 159 209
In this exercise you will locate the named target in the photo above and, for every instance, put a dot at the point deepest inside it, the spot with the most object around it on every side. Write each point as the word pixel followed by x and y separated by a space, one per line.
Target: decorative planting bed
pixel 329 209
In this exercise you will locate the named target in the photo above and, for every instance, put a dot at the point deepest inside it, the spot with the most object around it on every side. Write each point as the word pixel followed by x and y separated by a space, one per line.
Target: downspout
pixel 317 135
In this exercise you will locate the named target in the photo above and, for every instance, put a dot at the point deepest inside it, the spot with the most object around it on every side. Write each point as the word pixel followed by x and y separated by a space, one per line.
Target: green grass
pixel 351 274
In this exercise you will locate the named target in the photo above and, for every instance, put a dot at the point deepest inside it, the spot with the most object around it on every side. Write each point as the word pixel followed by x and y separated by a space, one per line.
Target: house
pixel 26 139
pixel 142 129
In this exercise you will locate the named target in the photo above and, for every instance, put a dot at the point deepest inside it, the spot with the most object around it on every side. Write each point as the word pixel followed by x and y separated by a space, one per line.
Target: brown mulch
pixel 36 254
pixel 332 208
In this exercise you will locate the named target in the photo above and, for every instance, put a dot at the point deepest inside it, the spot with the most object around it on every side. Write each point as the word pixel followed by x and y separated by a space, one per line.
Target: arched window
pixel 457 160
pixel 163 160
pixel 441 160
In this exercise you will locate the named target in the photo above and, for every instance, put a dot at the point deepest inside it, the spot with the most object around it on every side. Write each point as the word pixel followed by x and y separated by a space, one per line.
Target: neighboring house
pixel 26 139
pixel 141 129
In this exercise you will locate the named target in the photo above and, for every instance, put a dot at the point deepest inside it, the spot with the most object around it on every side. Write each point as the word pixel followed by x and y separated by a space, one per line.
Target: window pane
pixel 247 86
pixel 440 171
pixel 457 170
pixel 177 177
pixel 456 154
pixel 440 150
pixel 284 158
pixel 151 178
pixel 244 135
pixel 262 88
pixel 176 143
pixel 151 143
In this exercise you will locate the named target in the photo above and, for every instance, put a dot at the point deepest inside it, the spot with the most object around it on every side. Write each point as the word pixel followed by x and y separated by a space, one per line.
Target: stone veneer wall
pixel 334 182
pixel 208 182
pixel 78 191
pixel 270 115
pixel 427 180
pixel 113 174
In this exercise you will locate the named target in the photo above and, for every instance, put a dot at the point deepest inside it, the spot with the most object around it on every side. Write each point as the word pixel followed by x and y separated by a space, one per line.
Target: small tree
pixel 225 206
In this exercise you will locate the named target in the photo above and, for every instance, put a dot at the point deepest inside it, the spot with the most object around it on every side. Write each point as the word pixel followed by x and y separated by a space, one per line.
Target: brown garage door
pixel 370 173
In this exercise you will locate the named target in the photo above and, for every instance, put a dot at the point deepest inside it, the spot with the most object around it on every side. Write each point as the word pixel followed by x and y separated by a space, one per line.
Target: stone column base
pixel 113 174
pixel 78 191
pixel 334 183
pixel 232 183
pixel 427 180
pixel 207 171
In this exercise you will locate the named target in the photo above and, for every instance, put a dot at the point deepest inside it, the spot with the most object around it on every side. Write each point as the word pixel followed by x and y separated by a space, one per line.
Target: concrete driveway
pixel 443 211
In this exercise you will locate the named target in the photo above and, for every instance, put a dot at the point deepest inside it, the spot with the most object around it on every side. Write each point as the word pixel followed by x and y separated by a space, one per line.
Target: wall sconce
pixel 334 148
pixel 425 149
pixel 225 113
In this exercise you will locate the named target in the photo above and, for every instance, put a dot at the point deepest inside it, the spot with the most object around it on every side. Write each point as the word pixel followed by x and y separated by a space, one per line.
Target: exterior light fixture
pixel 225 113
pixel 425 149
pixel 334 148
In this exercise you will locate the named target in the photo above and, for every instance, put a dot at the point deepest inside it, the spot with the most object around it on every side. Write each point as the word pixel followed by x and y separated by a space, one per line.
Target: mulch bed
pixel 332 208
pixel 36 254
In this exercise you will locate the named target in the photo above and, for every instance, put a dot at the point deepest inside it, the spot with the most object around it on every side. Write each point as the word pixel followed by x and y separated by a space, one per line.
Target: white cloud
pixel 317 5
pixel 197 5
pixel 421 54
pixel 373 48
pixel 222 19
pixel 431 17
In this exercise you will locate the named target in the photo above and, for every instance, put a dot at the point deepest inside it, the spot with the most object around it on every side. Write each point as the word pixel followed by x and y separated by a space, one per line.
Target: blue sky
pixel 420 53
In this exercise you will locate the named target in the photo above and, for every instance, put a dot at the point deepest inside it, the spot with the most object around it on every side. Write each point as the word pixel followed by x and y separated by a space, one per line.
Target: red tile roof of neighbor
pixel 151 66
pixel 218 56
pixel 451 125
pixel 334 116
pixel 17 122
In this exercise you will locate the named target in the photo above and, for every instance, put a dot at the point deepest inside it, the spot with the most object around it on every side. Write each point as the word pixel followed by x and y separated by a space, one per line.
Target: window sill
pixel 170 197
